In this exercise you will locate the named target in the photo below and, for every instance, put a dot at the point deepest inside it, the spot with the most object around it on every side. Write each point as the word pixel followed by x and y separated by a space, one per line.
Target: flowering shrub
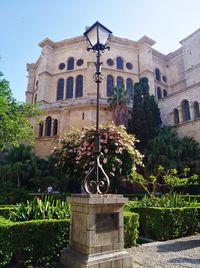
pixel 119 158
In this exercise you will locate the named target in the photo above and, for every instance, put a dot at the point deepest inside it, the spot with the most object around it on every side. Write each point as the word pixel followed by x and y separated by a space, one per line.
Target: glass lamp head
pixel 97 35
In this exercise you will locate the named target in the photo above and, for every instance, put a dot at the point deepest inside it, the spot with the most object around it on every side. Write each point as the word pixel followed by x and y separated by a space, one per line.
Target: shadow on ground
pixel 184 260
pixel 179 246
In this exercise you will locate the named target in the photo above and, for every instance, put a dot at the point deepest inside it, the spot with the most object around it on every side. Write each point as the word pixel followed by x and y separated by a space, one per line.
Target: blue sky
pixel 24 23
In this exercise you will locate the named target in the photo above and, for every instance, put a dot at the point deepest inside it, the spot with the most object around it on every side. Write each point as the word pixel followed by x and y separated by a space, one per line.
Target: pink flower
pixel 105 160
pixel 106 150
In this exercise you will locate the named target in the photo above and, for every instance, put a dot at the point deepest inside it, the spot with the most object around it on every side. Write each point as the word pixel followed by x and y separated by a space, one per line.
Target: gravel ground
pixel 183 252
pixel 178 253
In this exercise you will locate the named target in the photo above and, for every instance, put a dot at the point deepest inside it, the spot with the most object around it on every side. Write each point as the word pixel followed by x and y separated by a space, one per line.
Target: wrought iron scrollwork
pixel 96 181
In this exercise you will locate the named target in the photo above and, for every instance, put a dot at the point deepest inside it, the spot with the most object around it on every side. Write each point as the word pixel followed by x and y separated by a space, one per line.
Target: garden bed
pixel 39 242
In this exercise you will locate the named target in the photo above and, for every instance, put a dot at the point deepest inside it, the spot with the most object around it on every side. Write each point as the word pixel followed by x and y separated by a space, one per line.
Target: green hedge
pixel 5 211
pixel 168 223
pixel 192 198
pixel 39 242
pixel 33 242
pixel 131 224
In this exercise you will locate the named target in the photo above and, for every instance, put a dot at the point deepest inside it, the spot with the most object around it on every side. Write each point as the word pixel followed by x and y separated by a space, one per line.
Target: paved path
pixel 183 252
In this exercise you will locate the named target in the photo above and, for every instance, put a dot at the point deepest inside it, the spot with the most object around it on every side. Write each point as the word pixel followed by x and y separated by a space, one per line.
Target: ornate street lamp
pixel 97 35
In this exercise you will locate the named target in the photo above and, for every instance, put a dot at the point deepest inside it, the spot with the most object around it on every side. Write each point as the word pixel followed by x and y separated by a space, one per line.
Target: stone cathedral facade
pixel 61 82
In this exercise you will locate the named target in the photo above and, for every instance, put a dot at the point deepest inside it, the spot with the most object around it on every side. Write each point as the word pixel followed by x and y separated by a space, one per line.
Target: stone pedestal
pixel 96 233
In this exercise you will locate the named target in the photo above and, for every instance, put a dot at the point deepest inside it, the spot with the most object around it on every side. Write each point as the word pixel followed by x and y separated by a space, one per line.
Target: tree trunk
pixel 18 180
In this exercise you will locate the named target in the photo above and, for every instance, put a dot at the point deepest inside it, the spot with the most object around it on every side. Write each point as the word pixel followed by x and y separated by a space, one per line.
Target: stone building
pixel 61 82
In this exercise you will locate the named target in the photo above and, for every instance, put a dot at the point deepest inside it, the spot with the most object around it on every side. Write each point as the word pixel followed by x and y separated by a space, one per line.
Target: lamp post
pixel 97 35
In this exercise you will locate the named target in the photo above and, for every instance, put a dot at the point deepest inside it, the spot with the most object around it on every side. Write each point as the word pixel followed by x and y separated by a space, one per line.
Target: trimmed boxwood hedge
pixel 168 223
pixel 39 242
pixel 131 224
pixel 32 242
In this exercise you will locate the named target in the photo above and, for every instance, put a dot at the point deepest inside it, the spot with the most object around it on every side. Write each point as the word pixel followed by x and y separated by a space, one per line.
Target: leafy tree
pixel 21 164
pixel 15 125
pixel 120 160
pixel 146 115
pixel 170 151
pixel 118 104
pixel 163 177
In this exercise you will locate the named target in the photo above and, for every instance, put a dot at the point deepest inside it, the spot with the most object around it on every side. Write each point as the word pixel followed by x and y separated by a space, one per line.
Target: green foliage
pixel 32 243
pixel 10 194
pixel 39 242
pixel 170 151
pixel 64 160
pixel 5 211
pixel 118 103
pixel 167 223
pixel 21 164
pixel 120 157
pixel 169 178
pixel 172 179
pixel 45 175
pixel 166 201
pixel 146 115
pixel 48 208
pixel 15 126
pixel 119 95
pixel 22 168
pixel 131 224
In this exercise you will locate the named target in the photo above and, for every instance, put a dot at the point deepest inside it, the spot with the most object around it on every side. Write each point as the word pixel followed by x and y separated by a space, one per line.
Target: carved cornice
pixel 73 104
pixel 122 41
pixel 30 66
pixel 159 54
pixel 46 42
pixel 69 41
pixel 147 40
pixel 189 36
pixel 172 55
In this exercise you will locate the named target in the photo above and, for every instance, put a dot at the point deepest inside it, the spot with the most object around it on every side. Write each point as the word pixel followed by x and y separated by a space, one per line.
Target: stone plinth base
pixel 96 233
pixel 115 259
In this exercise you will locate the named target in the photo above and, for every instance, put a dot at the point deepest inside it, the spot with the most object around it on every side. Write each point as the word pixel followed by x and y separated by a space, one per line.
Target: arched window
pixel 41 127
pixel 70 85
pixel 70 63
pixel 60 89
pixel 196 110
pixel 164 93
pixel 157 72
pixel 110 85
pixel 55 127
pixel 186 110
pixel 48 123
pixel 129 87
pixel 120 81
pixel 120 63
pixel 159 93
pixel 79 86
pixel 176 116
